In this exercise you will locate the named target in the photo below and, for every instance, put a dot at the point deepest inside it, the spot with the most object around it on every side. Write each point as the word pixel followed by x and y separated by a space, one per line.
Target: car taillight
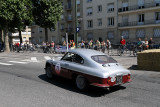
pixel 129 76
pixel 109 79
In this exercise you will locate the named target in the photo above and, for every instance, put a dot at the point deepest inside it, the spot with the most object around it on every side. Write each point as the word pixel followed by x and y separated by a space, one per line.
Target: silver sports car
pixel 88 67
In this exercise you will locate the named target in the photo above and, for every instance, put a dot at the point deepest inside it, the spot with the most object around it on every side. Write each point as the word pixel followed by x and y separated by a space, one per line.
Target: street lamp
pixel 76 24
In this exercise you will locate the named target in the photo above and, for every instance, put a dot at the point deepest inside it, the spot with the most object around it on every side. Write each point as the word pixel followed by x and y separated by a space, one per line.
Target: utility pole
pixel 76 25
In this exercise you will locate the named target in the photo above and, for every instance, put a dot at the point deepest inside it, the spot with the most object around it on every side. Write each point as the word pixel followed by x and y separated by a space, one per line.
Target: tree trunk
pixel 46 35
pixel 7 49
pixel 20 36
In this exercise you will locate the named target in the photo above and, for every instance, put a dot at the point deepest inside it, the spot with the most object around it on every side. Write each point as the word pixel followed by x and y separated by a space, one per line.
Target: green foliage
pixel 47 12
pixel 15 13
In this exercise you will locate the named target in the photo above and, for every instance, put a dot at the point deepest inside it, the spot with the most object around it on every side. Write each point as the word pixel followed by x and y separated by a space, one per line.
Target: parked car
pixel 88 67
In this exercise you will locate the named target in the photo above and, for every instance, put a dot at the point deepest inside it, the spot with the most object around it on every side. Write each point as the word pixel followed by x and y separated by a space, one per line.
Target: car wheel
pixel 81 83
pixel 49 73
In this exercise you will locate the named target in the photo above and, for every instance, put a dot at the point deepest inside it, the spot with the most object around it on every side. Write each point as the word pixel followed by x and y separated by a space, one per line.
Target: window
pixel 110 35
pixel 100 8
pixel 39 29
pixel 111 21
pixel 89 11
pixel 99 22
pixel 62 17
pixel 53 38
pixel 111 7
pixel 125 34
pixel 125 5
pixel 140 33
pixel 157 17
pixel 90 23
pixel 62 26
pixel 69 17
pixel 90 36
pixel 40 39
pixel 78 1
pixel 156 33
pixel 157 2
pixel 78 14
pixel 103 59
pixel 140 19
pixel 141 4
pixel 89 1
pixel 71 57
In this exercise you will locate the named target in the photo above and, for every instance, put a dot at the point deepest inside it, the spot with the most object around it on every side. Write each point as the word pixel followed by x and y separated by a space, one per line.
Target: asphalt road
pixel 23 84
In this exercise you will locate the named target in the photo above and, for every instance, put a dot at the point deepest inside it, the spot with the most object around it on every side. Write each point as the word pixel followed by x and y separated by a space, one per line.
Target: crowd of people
pixel 103 46
pixel 97 45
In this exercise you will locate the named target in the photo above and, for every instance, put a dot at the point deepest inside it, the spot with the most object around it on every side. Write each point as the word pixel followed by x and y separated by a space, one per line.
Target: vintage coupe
pixel 88 67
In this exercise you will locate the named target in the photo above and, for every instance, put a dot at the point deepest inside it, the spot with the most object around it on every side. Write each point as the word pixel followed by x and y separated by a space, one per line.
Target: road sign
pixel 77 29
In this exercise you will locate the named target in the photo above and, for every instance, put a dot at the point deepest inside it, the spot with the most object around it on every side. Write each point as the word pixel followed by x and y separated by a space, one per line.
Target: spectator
pixel 146 44
pixel 139 45
pixel 103 44
pixel 73 45
pixel 86 44
pixel 122 44
pixel 17 46
pixel 52 47
pixel 150 43
pixel 91 44
pixel 98 45
pixel 108 45
pixel 82 44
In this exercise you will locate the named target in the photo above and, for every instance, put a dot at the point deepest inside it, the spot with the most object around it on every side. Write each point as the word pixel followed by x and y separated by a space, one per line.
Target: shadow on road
pixel 69 85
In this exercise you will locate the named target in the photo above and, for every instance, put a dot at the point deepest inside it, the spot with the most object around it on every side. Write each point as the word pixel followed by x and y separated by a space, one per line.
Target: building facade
pixel 38 34
pixel 26 36
pixel 105 19
pixel 100 20
pixel 67 24
pixel 139 19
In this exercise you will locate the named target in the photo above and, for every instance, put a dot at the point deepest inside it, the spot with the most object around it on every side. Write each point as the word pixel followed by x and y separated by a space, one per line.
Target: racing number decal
pixel 58 68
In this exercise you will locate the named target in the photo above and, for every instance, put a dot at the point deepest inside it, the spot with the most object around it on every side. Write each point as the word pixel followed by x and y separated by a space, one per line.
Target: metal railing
pixel 136 23
pixel 136 7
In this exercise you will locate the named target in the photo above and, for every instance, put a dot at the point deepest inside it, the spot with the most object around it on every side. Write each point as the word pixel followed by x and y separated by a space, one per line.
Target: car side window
pixel 78 59
pixel 73 58
pixel 68 57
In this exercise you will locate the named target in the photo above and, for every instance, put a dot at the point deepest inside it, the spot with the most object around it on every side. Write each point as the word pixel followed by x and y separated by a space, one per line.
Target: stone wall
pixel 149 60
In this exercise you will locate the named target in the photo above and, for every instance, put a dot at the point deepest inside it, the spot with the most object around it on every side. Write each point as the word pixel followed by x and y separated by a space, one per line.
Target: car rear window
pixel 103 59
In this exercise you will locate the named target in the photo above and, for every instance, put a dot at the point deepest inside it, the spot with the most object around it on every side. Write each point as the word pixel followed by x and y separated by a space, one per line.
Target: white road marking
pixel 18 62
pixel 34 59
pixel 5 63
pixel 26 60
pixel 47 57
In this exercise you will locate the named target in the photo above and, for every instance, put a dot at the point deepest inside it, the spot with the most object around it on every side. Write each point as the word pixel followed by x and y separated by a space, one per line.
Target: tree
pixel 47 13
pixel 12 15
pixel 24 17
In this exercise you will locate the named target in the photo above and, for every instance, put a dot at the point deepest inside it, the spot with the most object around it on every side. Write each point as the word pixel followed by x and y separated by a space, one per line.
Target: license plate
pixel 119 79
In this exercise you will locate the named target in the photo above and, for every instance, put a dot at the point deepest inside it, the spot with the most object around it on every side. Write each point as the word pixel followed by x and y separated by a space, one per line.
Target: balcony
pixel 68 7
pixel 140 24
pixel 136 7
pixel 69 30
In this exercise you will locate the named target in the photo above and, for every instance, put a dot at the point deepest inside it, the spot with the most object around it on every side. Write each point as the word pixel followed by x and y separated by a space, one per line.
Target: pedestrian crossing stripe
pixel 34 59
pixel 5 63
pixel 47 57
pixel 19 62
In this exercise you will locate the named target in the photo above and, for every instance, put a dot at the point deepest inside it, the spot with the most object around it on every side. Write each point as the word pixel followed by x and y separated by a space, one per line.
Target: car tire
pixel 49 73
pixel 81 83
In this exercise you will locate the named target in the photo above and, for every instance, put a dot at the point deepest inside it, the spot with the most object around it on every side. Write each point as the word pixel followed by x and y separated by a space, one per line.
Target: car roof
pixel 86 52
